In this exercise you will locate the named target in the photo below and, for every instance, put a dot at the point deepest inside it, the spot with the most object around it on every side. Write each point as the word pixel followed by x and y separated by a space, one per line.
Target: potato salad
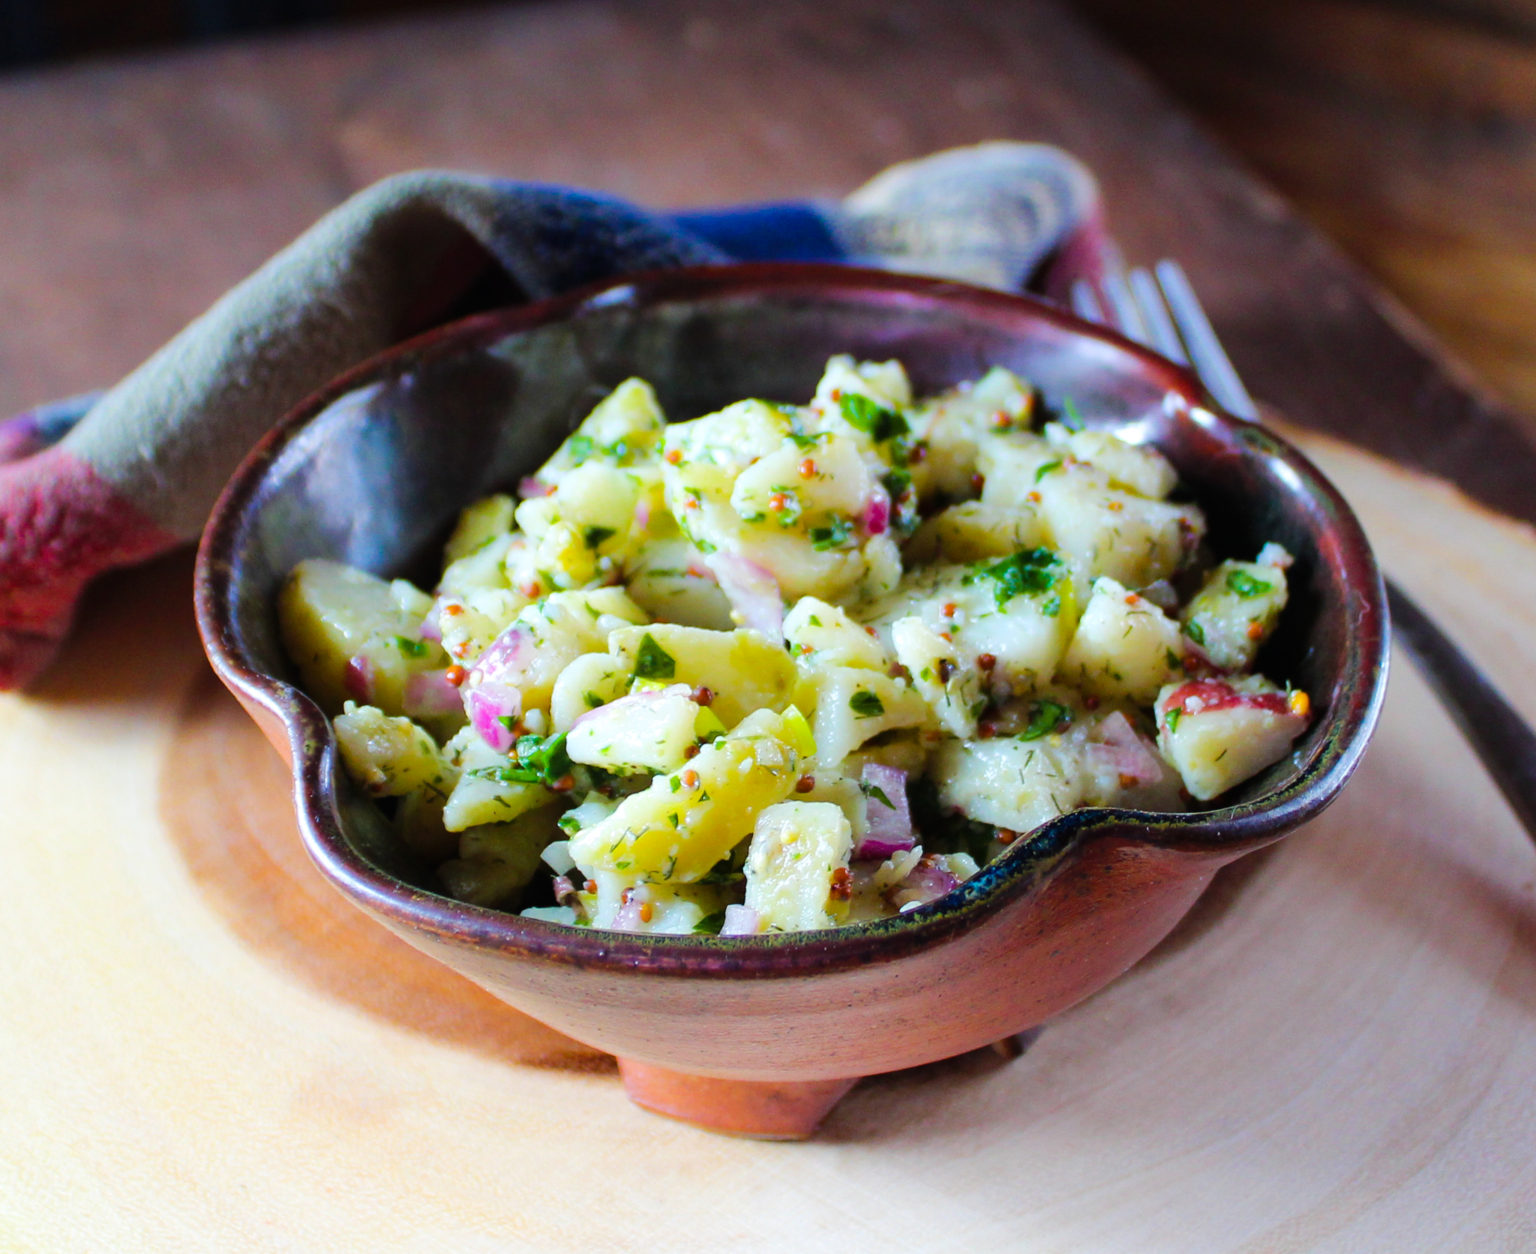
pixel 796 666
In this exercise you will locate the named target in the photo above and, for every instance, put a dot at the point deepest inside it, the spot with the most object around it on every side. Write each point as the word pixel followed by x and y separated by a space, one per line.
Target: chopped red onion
pixel 563 888
pixel 493 709
pixel 877 513
pixel 430 628
pixel 358 678
pixel 752 591
pixel 888 827
pixel 927 881
pixel 512 650
pixel 531 487
pixel 1126 752
pixel 629 918
pixel 741 921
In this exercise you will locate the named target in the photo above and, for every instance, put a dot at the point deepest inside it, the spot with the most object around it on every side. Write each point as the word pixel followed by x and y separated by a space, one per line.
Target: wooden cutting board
pixel 203 1047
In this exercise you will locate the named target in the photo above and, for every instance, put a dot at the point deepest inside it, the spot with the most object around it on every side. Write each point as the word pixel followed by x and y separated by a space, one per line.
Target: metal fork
pixel 1159 308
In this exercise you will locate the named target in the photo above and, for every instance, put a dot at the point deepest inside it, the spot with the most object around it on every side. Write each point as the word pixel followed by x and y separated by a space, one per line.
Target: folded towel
pixel 113 478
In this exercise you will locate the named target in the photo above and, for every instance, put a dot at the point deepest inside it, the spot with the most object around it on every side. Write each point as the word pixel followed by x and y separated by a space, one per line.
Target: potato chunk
pixel 1236 610
pixel 389 756
pixel 1124 647
pixel 797 868
pixel 1218 733
pixel 686 821
pixel 742 668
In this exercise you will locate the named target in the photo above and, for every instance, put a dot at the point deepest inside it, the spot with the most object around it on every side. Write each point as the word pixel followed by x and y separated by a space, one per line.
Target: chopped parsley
pixel 875 791
pixel 580 447
pixel 1195 632
pixel 535 760
pixel 866 704
pixel 1245 585
pixel 1044 718
pixel 1070 418
pixel 652 661
pixel 1029 570
pixel 1042 471
pixel 594 536
pixel 412 648
pixel 833 536
pixel 710 924
pixel 866 415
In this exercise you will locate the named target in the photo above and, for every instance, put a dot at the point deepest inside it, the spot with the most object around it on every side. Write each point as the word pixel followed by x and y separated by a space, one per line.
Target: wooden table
pixel 202 1047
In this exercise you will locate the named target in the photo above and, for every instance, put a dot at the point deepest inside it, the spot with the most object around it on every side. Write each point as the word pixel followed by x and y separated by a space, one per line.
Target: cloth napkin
pixel 114 478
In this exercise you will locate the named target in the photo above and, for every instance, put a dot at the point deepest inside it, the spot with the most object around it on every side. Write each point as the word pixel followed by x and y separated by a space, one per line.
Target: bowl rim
pixel 1215 836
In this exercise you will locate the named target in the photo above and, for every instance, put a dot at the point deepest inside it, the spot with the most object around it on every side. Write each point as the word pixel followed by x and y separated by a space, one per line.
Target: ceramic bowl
pixel 762 1034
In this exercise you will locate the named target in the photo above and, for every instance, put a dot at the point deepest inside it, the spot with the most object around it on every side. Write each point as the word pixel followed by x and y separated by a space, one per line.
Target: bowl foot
pixel 772 1110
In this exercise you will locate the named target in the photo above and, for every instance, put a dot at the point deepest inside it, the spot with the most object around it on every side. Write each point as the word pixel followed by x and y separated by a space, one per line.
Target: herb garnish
pixel 1245 585
pixel 1029 570
pixel 866 415
pixel 652 661
pixel 866 704
pixel 1044 718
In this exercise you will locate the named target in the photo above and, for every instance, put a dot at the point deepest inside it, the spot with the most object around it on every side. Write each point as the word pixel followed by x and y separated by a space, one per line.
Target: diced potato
pixel 742 668
pixel 350 636
pixel 777 484
pixel 955 426
pixel 972 531
pixel 498 860
pixel 1108 531
pixel 592 680
pixel 730 439
pixel 854 705
pixel 485 791
pixel 797 866
pixel 884 382
pixel 954 691
pixel 389 756
pixel 1013 468
pixel 670 581
pixel 487 519
pixel 649 730
pixel 827 636
pixel 470 622
pixel 548 636
pixel 1124 646
pixel 596 501
pixel 656 908
pixel 623 430
pixel 1236 610
pixel 483 567
pixel 419 820
pixel 1008 782
pixel 1218 733
pixel 686 821
pixel 1134 467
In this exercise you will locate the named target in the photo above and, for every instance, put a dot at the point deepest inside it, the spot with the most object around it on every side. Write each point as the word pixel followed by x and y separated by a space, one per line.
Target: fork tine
pixel 1085 302
pixel 1123 313
pixel 1154 311
pixel 1206 354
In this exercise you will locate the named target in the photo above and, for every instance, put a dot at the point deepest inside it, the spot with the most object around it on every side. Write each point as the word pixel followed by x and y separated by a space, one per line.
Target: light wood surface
pixel 202 1046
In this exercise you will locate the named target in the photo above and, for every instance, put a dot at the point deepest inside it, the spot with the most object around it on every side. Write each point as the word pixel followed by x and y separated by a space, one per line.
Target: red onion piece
pixel 430 629
pixel 877 513
pixel 531 487
pixel 358 678
pixel 493 709
pixel 889 827
pixel 504 656
pixel 927 881
pixel 1126 752
pixel 628 918
pixel 741 921
pixel 564 888
pixel 429 694
pixel 752 591
pixel 642 514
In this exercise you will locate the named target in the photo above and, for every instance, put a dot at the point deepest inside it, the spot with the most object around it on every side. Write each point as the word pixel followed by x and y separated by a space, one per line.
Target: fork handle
pixel 1502 738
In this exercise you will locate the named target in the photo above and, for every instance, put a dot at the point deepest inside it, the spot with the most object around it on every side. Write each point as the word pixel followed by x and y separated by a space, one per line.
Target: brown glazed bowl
pixel 762 1034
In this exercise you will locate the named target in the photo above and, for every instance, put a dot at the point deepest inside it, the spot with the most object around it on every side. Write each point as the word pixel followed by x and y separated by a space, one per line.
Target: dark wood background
pixel 1405 129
